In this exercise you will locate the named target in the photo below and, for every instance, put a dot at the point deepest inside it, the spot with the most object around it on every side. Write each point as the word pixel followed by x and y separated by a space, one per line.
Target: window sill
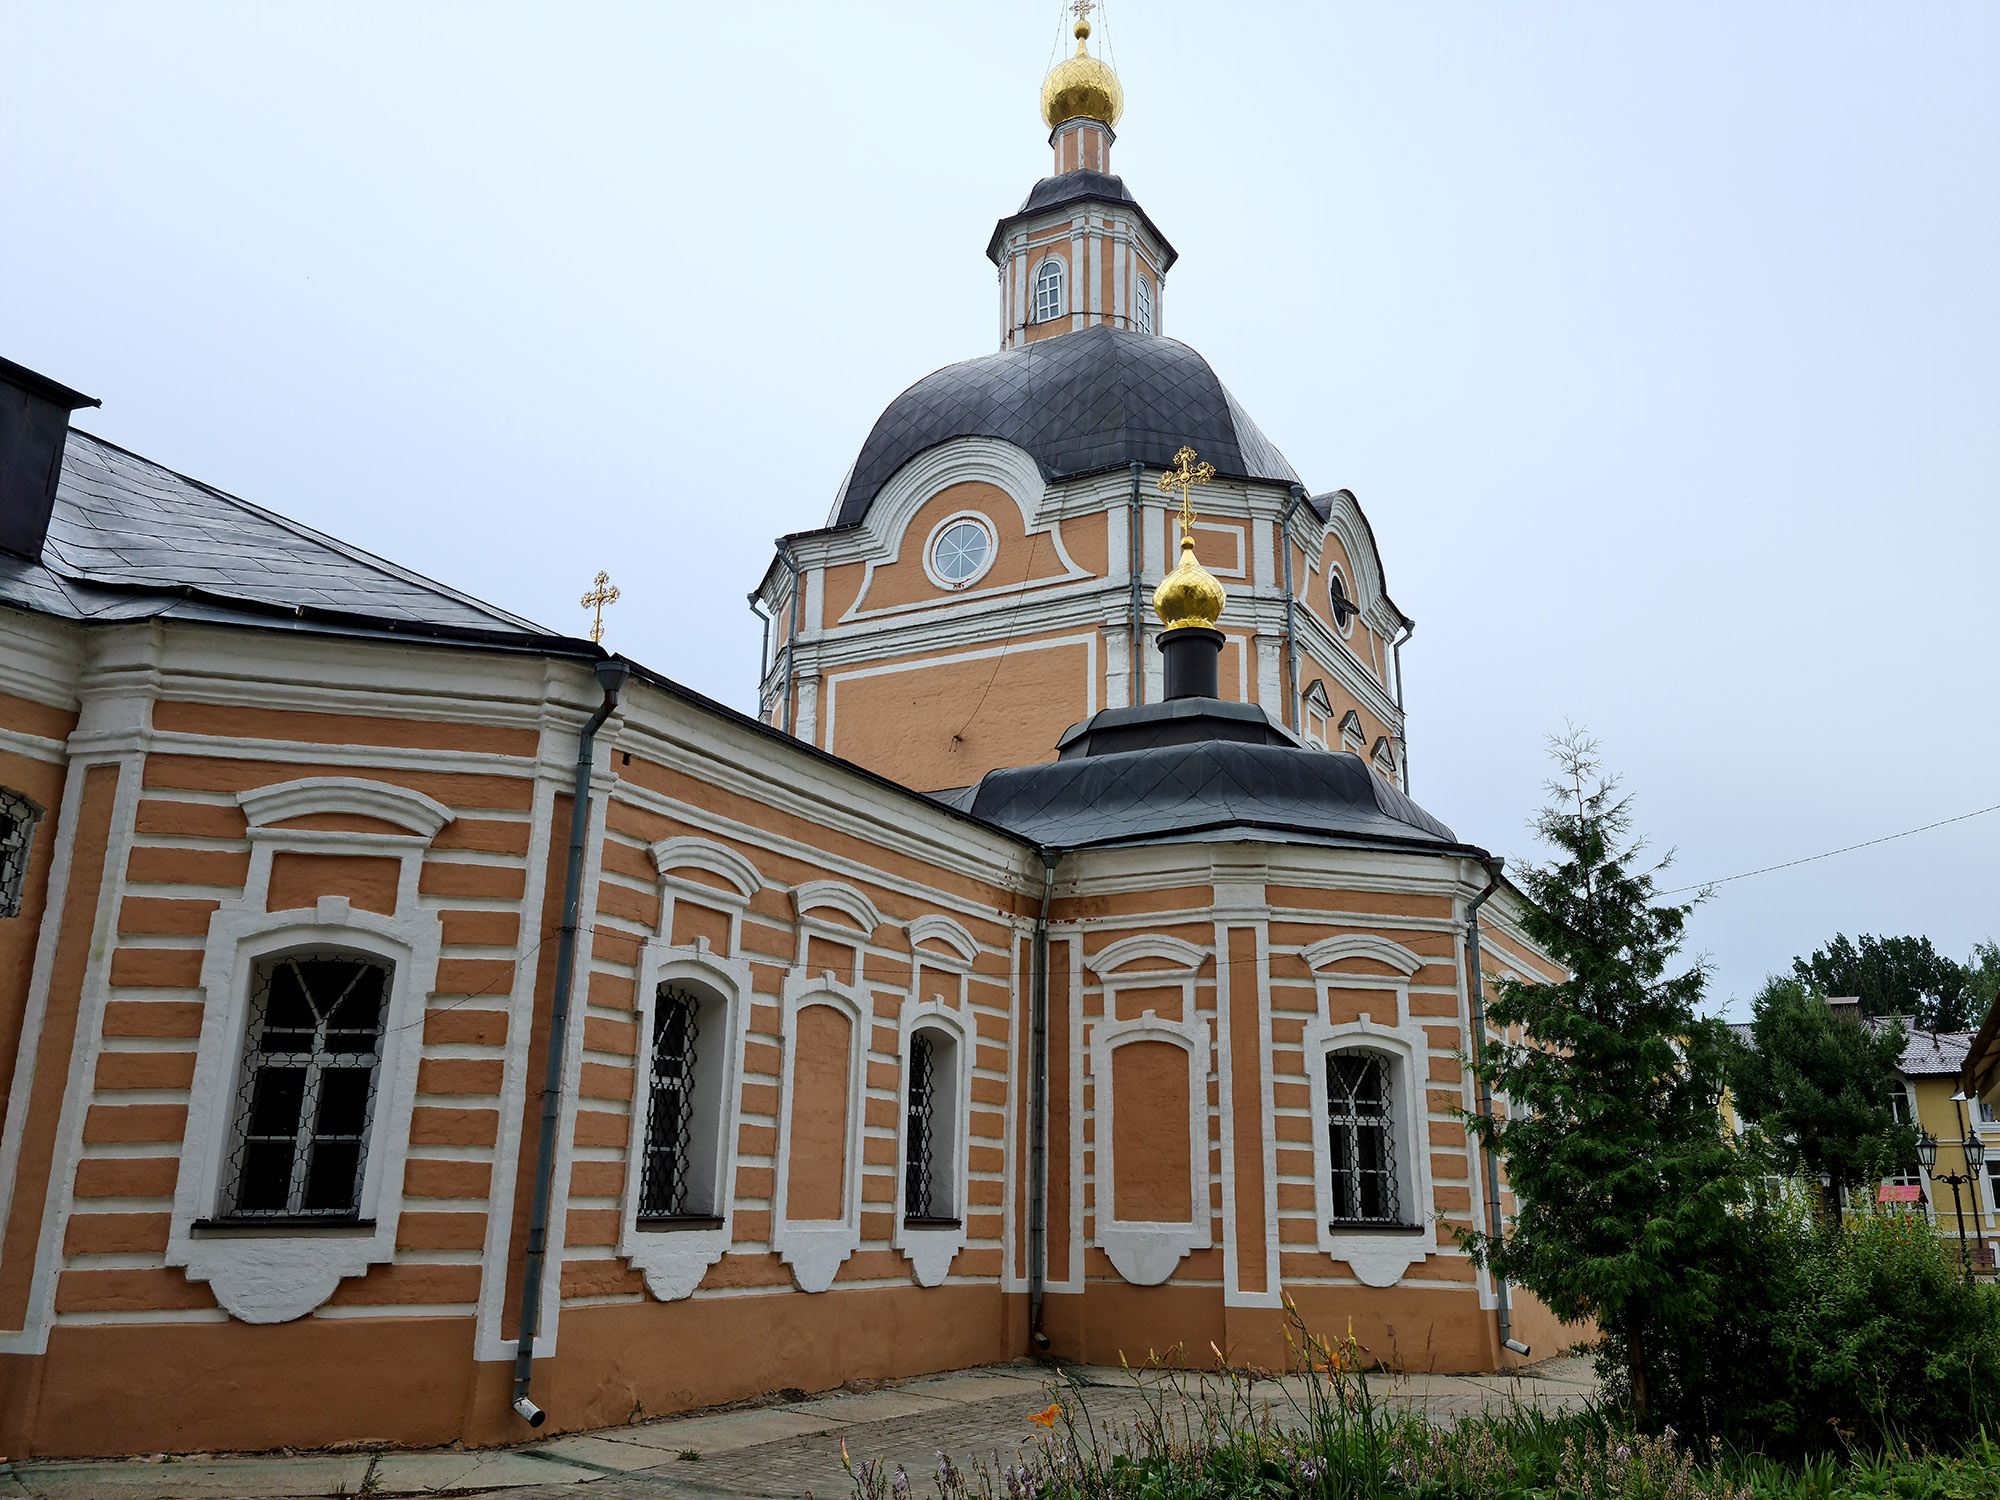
pixel 915 1221
pixel 667 1223
pixel 284 1224
pixel 1372 1226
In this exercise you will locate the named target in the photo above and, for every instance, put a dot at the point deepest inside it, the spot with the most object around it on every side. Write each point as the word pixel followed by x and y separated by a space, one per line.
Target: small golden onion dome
pixel 1189 595
pixel 1081 88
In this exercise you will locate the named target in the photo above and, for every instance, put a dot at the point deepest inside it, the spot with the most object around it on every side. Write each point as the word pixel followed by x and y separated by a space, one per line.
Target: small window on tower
pixel 18 817
pixel 960 552
pixel 1143 305
pixel 1049 291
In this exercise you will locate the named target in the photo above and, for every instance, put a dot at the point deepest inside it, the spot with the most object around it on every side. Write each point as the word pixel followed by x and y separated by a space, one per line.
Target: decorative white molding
pixel 984 522
pixel 1378 1257
pixel 1145 1253
pixel 673 1261
pixel 350 795
pixel 691 853
pixel 274 1276
pixel 941 929
pixel 1184 957
pixel 1329 951
pixel 837 895
pixel 931 1250
pixel 816 1248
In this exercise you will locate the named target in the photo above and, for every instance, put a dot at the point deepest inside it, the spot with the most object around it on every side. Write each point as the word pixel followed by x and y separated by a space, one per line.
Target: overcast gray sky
pixel 1660 343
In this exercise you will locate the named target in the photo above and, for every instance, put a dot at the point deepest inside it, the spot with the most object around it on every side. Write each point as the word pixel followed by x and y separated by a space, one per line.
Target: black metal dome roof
pixel 1079 403
pixel 1199 768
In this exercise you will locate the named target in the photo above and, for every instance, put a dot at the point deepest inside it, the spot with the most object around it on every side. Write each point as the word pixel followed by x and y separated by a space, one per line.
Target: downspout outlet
pixel 530 1413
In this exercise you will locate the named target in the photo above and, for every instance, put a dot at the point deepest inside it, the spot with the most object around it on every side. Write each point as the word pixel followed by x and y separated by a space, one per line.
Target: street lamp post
pixel 1974 1151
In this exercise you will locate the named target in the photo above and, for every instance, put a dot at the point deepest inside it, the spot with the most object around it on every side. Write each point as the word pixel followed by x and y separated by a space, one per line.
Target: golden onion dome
pixel 1190 594
pixel 1082 88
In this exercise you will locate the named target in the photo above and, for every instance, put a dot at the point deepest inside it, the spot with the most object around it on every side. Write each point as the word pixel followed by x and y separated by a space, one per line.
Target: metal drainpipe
pixel 791 630
pixel 1502 1310
pixel 763 646
pixel 1138 608
pixel 611 676
pixel 1409 629
pixel 1291 614
pixel 1038 1110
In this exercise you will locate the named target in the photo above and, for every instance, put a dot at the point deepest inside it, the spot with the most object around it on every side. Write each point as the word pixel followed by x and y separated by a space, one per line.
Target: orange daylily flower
pixel 1047 1418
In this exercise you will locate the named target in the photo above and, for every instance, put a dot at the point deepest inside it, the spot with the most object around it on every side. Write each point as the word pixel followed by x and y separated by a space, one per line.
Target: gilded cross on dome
pixel 1183 476
pixel 1082 9
pixel 602 593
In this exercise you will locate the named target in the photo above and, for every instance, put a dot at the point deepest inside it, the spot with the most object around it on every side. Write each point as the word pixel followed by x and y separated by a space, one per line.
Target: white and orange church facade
pixel 1012 985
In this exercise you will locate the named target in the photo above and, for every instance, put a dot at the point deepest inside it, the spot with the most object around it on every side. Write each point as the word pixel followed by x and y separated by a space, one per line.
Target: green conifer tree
pixel 1819 1087
pixel 1614 1145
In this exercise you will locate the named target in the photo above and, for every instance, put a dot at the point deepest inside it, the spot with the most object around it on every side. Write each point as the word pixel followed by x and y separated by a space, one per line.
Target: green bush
pixel 1866 1337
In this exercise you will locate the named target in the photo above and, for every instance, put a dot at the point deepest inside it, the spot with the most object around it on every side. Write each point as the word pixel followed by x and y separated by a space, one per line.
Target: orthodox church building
pixel 416 1025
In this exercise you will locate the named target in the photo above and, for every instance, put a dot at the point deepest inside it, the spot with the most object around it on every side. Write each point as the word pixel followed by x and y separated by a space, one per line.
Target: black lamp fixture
pixel 1926 1150
pixel 1974 1151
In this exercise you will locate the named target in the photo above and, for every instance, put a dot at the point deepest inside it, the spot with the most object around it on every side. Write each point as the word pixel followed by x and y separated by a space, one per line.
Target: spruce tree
pixel 1622 1171
pixel 1819 1085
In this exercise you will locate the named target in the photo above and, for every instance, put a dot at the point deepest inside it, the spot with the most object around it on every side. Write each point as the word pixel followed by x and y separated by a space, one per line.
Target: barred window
pixel 1049 290
pixel 1143 298
pixel 1361 1139
pixel 664 1173
pixel 312 1056
pixel 18 816
pixel 929 1130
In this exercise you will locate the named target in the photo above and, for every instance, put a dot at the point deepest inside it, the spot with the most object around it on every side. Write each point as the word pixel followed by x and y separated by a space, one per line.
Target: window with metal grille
pixel 1361 1139
pixel 929 1130
pixel 666 1173
pixel 312 1055
pixel 1049 291
pixel 18 816
pixel 1143 305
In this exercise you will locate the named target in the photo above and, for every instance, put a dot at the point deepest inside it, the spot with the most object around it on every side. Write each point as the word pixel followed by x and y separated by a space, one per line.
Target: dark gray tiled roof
pixel 1078 404
pixel 1082 186
pixel 129 539
pixel 1205 789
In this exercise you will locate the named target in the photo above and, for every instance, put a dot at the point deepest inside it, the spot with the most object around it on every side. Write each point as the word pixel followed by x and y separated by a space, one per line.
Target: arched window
pixel 678 1163
pixel 1142 305
pixel 1361 1139
pixel 1049 290
pixel 930 1130
pixel 18 817
pixel 312 1054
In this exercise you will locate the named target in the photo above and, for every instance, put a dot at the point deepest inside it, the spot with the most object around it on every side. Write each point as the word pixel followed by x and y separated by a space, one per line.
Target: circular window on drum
pixel 961 550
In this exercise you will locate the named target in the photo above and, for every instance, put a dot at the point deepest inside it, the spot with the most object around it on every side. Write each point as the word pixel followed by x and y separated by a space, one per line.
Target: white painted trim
pixel 837 895
pixel 1185 957
pixel 688 852
pixel 1145 1253
pixel 1377 1257
pixel 1329 951
pixel 935 928
pixel 673 1261
pixel 930 1251
pixel 1005 648
pixel 285 1274
pixel 349 795
pixel 929 555
pixel 816 1248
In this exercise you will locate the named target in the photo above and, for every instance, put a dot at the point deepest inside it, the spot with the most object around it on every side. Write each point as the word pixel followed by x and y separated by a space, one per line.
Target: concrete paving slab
pixel 721 1432
pixel 274 1478
pixel 600 1451
pixel 982 1387
pixel 871 1406
pixel 427 1473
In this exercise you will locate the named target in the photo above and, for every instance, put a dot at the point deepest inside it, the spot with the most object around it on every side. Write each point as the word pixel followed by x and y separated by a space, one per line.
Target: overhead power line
pixel 1849 849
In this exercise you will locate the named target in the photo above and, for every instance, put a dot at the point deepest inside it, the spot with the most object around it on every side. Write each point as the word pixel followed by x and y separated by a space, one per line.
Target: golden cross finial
pixel 601 594
pixel 1186 473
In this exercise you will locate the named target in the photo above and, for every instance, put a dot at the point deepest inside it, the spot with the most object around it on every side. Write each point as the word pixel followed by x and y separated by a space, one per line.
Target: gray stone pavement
pixel 776 1449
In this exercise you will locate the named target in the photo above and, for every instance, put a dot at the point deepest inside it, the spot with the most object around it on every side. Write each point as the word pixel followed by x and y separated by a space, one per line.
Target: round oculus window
pixel 1336 596
pixel 960 552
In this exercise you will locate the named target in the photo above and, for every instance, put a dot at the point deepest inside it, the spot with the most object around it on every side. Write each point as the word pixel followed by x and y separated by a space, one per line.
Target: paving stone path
pixel 786 1449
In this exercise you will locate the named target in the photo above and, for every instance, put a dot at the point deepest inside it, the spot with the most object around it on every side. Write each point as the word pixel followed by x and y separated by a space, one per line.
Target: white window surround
pixel 816 896
pixel 673 1261
pixel 970 517
pixel 1143 293
pixel 1145 1253
pixel 816 1248
pixel 1335 573
pixel 1352 736
pixel 272 1274
pixel 1318 713
pixel 930 1250
pixel 1378 1257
